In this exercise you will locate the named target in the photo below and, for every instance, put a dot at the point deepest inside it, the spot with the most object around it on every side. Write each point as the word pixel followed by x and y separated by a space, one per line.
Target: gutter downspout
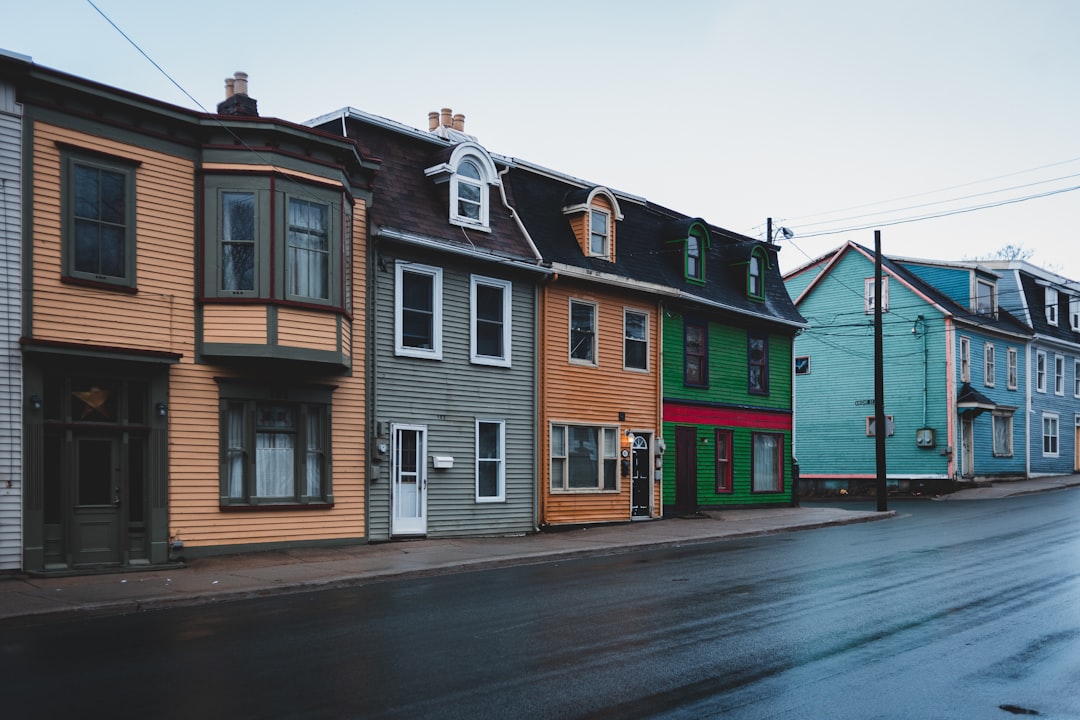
pixel 513 214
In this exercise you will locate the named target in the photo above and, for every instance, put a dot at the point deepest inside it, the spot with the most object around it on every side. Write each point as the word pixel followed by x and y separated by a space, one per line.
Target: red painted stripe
pixel 734 417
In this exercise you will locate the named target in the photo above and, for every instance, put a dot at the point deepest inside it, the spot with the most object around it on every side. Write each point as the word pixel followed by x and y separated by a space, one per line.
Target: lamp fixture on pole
pixel 771 236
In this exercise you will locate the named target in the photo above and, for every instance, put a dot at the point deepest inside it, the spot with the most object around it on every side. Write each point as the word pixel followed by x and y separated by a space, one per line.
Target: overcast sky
pixel 834 115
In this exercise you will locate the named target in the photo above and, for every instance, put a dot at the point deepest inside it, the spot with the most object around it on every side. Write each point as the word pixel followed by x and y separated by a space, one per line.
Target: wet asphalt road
pixel 967 609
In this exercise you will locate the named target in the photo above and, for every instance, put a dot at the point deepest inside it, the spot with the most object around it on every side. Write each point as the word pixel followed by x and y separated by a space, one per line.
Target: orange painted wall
pixel 577 394
pixel 161 317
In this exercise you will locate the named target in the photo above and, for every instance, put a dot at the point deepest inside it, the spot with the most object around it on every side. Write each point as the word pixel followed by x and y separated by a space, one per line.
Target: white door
pixel 408 495
pixel 967 429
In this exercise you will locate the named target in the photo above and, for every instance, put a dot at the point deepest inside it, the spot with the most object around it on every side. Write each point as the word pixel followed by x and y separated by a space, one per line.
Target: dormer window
pixel 1052 306
pixel 696 242
pixel 755 275
pixel 593 214
pixel 1074 312
pixel 986 298
pixel 599 233
pixel 470 174
pixel 467 189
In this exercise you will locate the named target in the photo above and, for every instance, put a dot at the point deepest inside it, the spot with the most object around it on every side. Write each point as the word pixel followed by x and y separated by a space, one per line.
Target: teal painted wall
pixel 833 401
pixel 953 282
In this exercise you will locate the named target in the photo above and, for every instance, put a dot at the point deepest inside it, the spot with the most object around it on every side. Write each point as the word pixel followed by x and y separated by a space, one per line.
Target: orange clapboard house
pixel 599 445
pixel 192 376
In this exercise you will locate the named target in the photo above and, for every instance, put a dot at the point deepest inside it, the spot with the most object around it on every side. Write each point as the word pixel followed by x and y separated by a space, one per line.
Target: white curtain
pixel 234 458
pixel 766 463
pixel 314 456
pixel 274 465
pixel 309 249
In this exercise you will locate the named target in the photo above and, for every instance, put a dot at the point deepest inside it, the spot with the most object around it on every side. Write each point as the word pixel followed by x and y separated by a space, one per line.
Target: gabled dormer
pixel 593 213
pixel 750 262
pixel 469 174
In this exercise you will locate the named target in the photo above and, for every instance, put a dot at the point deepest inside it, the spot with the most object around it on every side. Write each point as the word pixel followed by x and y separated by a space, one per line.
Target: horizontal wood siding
pixel 158 316
pixel 585 395
pixel 307 329
pixel 242 324
pixel 449 395
pixel 11 484
pixel 833 401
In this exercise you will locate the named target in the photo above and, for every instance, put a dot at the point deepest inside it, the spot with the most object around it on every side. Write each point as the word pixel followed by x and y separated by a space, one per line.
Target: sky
pixel 949 125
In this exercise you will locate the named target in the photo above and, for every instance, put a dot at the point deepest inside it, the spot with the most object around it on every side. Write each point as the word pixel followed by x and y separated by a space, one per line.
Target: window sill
pixel 277 506
pixel 584 491
pixel 99 284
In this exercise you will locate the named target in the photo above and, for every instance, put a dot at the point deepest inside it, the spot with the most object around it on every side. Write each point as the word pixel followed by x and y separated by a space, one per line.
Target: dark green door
pixel 97 523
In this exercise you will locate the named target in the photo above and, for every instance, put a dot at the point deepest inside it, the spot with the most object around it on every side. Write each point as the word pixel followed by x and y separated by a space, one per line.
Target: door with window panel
pixel 408 501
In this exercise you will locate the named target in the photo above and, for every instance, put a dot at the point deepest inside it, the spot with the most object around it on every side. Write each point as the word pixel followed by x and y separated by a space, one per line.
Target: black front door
pixel 640 476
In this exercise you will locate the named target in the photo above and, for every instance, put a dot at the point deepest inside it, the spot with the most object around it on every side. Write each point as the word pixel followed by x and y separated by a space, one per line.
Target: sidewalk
pixel 233 577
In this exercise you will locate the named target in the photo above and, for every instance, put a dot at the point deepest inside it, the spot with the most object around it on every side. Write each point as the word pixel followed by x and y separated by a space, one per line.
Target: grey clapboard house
pixel 453 278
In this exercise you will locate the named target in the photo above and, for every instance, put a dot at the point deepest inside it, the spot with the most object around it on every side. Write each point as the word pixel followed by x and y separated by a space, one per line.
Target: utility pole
pixel 879 381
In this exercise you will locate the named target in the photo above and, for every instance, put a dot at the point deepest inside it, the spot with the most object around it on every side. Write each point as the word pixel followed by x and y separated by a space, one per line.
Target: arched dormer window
pixel 593 213
pixel 697 241
pixel 755 274
pixel 470 174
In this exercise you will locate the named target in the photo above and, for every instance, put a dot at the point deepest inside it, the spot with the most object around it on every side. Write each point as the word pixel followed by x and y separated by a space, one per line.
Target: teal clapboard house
pixel 953 364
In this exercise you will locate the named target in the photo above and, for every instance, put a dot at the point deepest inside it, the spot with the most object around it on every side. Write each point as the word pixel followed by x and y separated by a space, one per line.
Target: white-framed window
pixel 1040 371
pixel 1050 434
pixel 1013 374
pixel 489 321
pixel 1074 312
pixel 695 256
pixel 985 298
pixel 490 460
pixel 583 332
pixel 755 276
pixel 1052 306
pixel 870 294
pixel 871 426
pixel 599 233
pixel 1059 375
pixel 767 463
pixel 635 340
pixel 418 310
pixel 965 359
pixel 470 174
pixel 1003 431
pixel 584 458
pixel 1076 378
pixel 988 364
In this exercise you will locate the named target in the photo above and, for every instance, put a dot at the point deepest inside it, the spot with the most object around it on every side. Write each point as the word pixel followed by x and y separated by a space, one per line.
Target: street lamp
pixel 771 236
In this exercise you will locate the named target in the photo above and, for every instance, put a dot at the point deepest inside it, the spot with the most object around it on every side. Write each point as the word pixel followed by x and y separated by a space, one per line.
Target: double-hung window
pixel 583 458
pixel 695 354
pixel 281 240
pixel 1059 375
pixel 1003 430
pixel 758 364
pixel 755 277
pixel 1012 369
pixel 99 220
pixel 489 318
pixel 418 310
pixel 870 294
pixel 1052 306
pixel 1050 434
pixel 307 238
pixel 1040 371
pixel 275 446
pixel 635 340
pixel 695 259
pixel 767 462
pixel 490 461
pixel 723 461
pixel 599 233
pixel 1074 312
pixel 468 194
pixel 988 364
pixel 1076 378
pixel 965 359
pixel 583 332
pixel 985 298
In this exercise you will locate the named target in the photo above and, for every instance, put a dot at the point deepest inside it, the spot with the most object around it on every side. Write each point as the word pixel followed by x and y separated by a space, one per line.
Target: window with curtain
pixel 767 469
pixel 308 261
pixel 1003 430
pixel 274 452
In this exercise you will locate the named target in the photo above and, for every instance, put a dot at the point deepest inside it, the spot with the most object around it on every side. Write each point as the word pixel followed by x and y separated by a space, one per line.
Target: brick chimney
pixel 237 102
